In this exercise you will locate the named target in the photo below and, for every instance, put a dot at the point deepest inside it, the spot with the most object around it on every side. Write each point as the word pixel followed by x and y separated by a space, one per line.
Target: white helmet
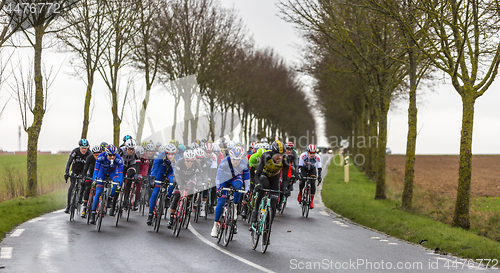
pixel 189 154
pixel 139 150
pixel 265 146
pixel 263 140
pixel 170 148
pixel 130 143
pixel 199 153
pixel 231 144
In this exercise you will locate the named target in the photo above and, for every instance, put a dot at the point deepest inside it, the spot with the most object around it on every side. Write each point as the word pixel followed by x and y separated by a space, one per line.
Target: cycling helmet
pixel 195 145
pixel 158 144
pixel 252 144
pixel 277 147
pixel 209 146
pixel 263 140
pixel 197 141
pixel 96 149
pixel 199 153
pixel 126 137
pixel 83 143
pixel 311 149
pixel 130 143
pixel 150 147
pixel 110 149
pixel 231 144
pixel 258 146
pixel 236 153
pixel 103 146
pixel 215 148
pixel 204 140
pixel 139 150
pixel 161 149
pixel 170 148
pixel 175 142
pixel 260 152
pixel 265 146
pixel 182 147
pixel 239 144
pixel 189 155
pixel 289 145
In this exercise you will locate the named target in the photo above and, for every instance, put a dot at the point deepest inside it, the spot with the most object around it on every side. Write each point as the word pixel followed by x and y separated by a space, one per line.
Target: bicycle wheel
pixel 256 231
pixel 266 232
pixel 188 207
pixel 131 200
pixel 142 201
pixel 308 202
pixel 207 208
pixel 72 204
pixel 101 210
pixel 197 207
pixel 284 204
pixel 228 225
pixel 159 213
pixel 89 205
pixel 118 208
pixel 220 230
pixel 177 221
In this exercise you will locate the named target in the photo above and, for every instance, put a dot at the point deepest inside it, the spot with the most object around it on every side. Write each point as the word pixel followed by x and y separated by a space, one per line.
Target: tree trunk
pixel 212 117
pixel 188 115
pixel 142 113
pixel 38 113
pixel 461 216
pixel 411 140
pixel 382 143
pixel 86 107
pixel 194 122
pixel 231 132
pixel 176 105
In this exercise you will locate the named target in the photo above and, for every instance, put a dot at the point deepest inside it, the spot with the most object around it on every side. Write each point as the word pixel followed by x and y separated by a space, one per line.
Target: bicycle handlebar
pixel 107 181
pixel 233 189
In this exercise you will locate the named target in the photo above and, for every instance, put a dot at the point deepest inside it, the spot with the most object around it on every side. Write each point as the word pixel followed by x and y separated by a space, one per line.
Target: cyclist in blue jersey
pixel 108 163
pixel 233 170
pixel 162 168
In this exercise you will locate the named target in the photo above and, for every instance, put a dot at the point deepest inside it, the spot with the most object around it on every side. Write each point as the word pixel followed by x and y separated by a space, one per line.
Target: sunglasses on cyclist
pixel 189 160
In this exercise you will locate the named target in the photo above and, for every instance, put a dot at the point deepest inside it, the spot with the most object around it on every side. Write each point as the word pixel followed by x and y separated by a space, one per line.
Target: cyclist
pixel 212 162
pixel 108 163
pixel 263 140
pixel 143 172
pixel 293 159
pixel 88 170
pixel 163 168
pixel 131 167
pixel 187 173
pixel 267 176
pixel 77 158
pixel 253 162
pixel 232 171
pixel 204 184
pixel 252 149
pixel 181 150
pixel 308 163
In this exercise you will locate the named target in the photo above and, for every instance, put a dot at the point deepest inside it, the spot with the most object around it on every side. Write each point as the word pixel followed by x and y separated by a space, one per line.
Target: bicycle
pixel 264 222
pixel 131 197
pixel 285 198
pixel 73 204
pixel 103 200
pixel 227 222
pixel 306 196
pixel 119 205
pixel 89 203
pixel 197 205
pixel 160 205
pixel 181 217
pixel 208 202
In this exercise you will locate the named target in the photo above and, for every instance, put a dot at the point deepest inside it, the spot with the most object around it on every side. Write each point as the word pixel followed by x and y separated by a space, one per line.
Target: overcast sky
pixel 439 113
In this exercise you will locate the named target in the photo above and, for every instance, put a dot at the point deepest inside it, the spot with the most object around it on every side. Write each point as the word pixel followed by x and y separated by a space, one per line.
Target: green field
pixel 355 201
pixel 13 174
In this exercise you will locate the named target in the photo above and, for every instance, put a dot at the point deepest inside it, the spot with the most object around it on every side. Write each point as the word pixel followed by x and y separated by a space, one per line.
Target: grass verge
pixel 16 211
pixel 355 200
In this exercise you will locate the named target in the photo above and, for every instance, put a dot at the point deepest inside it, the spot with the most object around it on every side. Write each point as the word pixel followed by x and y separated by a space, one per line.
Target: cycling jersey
pixel 77 159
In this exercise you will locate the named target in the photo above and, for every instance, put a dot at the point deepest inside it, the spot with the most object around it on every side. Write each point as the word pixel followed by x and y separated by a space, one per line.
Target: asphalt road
pixel 322 242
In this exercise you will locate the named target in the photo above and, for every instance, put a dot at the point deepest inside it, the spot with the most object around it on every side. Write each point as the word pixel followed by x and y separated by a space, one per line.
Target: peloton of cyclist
pixel 131 166
pixel 88 171
pixel 309 161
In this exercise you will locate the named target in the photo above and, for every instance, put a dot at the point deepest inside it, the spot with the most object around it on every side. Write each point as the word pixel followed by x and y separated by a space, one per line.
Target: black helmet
pixel 83 143
pixel 277 147
pixel 126 137
pixel 103 145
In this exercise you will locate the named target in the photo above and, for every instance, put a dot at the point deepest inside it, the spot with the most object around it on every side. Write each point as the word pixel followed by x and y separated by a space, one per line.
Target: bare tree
pixel 121 16
pixel 87 36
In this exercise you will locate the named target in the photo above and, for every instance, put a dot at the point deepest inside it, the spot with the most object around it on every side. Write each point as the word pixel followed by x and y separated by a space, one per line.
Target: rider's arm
pixel 97 166
pixel 246 179
pixel 119 169
pixel 70 160
pixel 260 168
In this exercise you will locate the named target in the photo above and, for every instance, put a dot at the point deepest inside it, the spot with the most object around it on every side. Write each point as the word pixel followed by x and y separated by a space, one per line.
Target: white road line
pixel 34 220
pixel 17 232
pixel 6 253
pixel 393 243
pixel 344 225
pixel 58 211
pixel 376 238
pixel 384 240
pixel 206 241
pixel 324 213
pixel 338 223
